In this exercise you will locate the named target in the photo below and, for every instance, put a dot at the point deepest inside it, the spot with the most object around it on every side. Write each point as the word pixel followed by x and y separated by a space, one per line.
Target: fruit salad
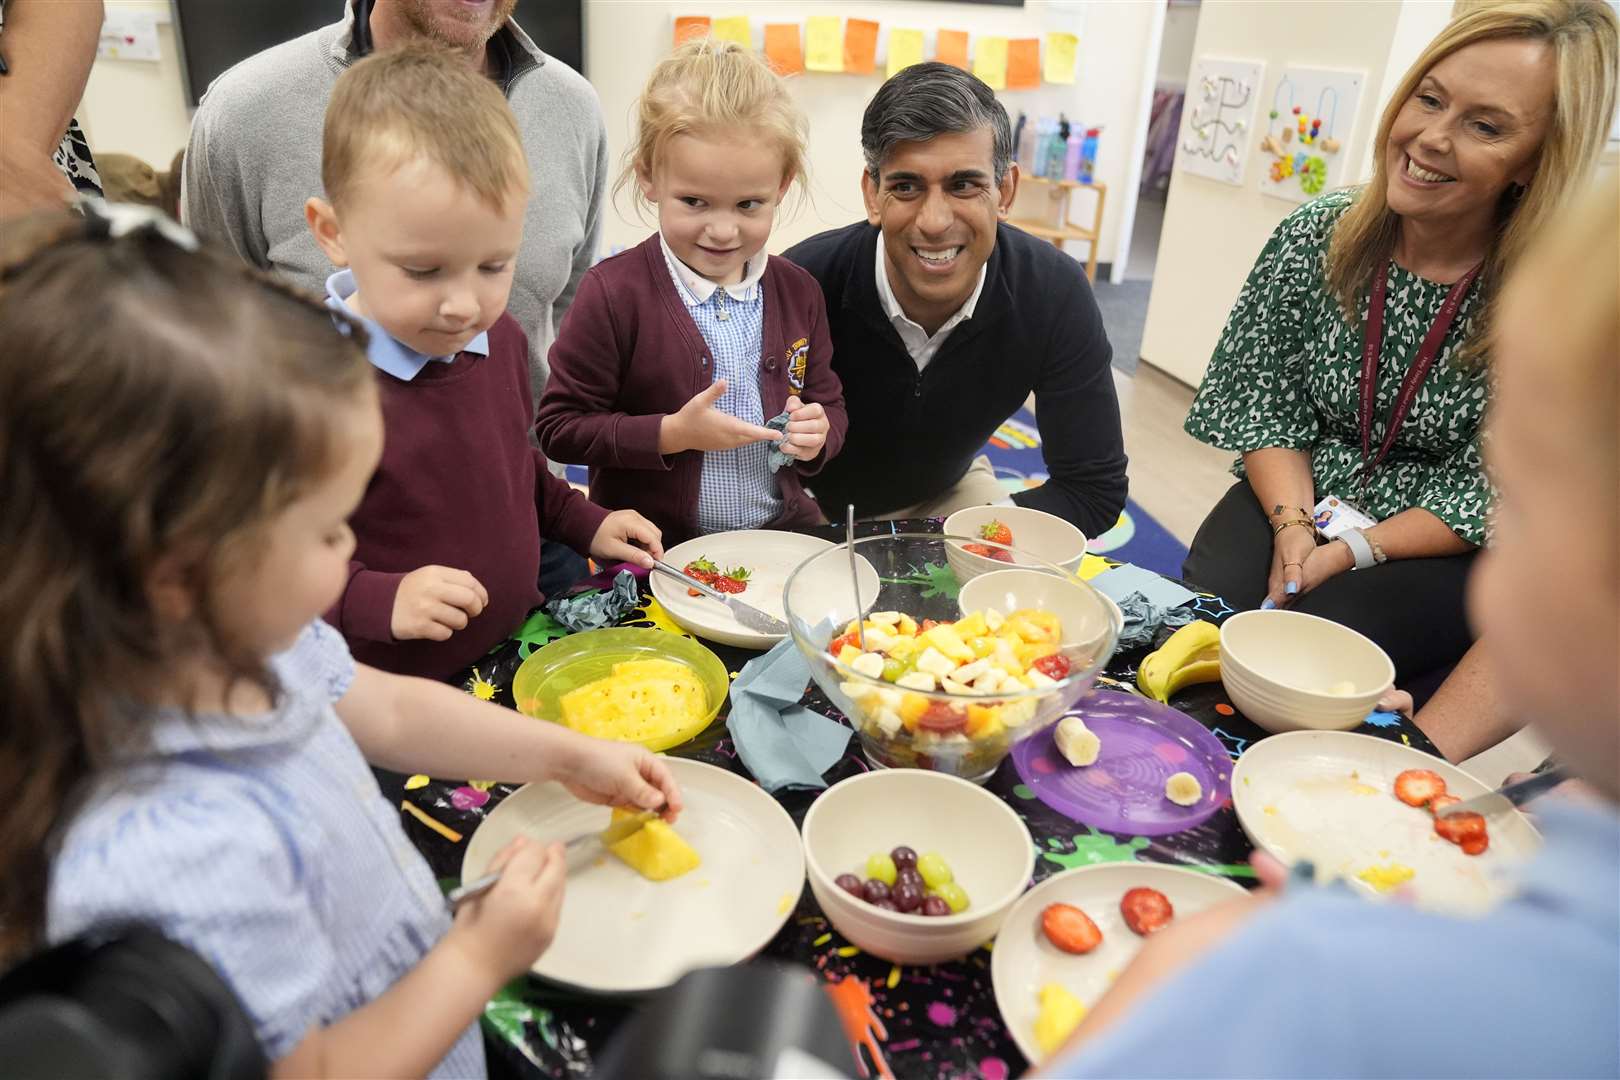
pixel 733 580
pixel 996 658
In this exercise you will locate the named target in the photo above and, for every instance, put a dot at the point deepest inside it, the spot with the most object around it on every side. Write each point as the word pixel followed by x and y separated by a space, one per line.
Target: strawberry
pixel 1415 787
pixel 734 580
pixel 703 569
pixel 1460 828
pixel 1440 802
pixel 985 551
pixel 837 644
pixel 1070 929
pixel 1475 845
pixel 1055 666
pixel 942 719
pixel 995 532
pixel 1145 910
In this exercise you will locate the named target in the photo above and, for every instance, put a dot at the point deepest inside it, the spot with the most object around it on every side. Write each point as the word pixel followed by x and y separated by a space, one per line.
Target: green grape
pixel 882 868
pixel 953 894
pixel 893 669
pixel 934 871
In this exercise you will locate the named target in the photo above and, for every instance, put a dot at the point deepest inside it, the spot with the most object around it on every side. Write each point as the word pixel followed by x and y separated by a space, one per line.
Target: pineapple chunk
pixel 877 640
pixel 1018 713
pixel 847 654
pixel 869 664
pixel 951 686
pixel 968 672
pixel 945 638
pixel 1061 1012
pixel 1037 625
pixel 992 680
pixel 934 662
pixel 655 851
pixel 904 648
pixel 1028 654
pixel 916 680
pixel 907 625
pixel 971 627
pixel 984 721
pixel 993 619
pixel 982 646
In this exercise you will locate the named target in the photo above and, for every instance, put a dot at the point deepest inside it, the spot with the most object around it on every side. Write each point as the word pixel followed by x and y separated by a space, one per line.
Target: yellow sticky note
pixel 990 61
pixel 1060 48
pixel 734 28
pixel 823 43
pixel 905 49
pixel 1091 565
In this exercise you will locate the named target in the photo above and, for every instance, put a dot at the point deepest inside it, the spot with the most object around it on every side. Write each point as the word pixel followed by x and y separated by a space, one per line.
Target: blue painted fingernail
pixel 1292 588
pixel 1267 604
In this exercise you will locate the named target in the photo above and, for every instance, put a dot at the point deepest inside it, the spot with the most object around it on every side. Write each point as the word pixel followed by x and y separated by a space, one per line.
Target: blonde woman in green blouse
pixel 1500 119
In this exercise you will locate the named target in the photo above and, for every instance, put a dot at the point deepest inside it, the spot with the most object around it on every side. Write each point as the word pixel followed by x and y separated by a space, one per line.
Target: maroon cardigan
pixel 628 354
pixel 460 486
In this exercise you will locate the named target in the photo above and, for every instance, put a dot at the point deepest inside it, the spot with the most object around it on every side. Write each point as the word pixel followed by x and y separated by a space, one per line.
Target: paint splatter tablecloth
pixel 931 1022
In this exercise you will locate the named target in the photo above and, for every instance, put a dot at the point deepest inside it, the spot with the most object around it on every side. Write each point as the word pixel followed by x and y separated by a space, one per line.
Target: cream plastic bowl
pixel 1035 532
pixel 986 845
pixel 1288 671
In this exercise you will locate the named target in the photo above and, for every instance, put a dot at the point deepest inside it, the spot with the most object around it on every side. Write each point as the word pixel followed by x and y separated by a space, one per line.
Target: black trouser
pixel 1413 608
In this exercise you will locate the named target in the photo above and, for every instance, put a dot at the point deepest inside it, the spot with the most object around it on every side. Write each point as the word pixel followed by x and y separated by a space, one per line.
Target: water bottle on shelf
pixel 1056 149
pixel 1071 156
pixel 1024 142
pixel 1088 155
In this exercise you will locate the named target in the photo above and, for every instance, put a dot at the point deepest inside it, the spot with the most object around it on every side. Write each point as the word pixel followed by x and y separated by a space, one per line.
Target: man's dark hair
pixel 926 100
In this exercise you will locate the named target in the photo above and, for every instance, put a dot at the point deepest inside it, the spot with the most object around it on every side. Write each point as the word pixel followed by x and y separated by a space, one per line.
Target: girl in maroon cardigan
pixel 693 372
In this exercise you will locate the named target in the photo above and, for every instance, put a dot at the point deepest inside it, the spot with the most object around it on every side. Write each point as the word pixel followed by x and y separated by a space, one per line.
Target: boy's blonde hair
pixel 422 101
pixel 713 87
pixel 1582 36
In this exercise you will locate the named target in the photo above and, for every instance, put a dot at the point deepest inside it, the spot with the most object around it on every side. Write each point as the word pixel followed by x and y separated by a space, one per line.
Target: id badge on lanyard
pixel 1413 380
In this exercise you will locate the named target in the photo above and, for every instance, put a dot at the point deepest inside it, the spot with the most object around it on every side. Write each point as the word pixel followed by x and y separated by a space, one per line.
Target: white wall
pixel 624 38
pixel 136 106
pixel 1213 231
pixel 1176 50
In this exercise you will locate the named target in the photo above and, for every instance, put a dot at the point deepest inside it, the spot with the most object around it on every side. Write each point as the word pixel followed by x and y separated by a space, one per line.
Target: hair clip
pixel 117 220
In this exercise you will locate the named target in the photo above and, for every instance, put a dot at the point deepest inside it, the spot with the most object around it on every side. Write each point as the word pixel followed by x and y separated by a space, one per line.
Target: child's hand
pixel 701 426
pixel 806 431
pixel 506 929
pixel 434 602
pixel 622 774
pixel 620 534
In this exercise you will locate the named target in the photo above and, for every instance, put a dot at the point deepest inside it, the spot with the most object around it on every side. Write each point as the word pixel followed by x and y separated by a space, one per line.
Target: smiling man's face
pixel 938 203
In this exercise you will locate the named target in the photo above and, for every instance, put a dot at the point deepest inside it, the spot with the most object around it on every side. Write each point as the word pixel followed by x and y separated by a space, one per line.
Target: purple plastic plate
pixel 1143 742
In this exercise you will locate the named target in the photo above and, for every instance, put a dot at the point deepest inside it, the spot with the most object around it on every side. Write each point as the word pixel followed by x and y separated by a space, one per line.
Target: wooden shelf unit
pixel 1042 209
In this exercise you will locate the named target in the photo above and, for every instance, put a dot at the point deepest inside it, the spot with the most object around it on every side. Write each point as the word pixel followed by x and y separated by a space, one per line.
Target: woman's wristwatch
pixel 1363 547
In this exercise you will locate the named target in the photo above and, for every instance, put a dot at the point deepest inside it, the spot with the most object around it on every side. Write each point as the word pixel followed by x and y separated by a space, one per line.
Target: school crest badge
pixel 798 356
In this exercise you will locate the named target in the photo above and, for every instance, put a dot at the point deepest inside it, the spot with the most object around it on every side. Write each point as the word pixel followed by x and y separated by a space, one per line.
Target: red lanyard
pixel 1421 363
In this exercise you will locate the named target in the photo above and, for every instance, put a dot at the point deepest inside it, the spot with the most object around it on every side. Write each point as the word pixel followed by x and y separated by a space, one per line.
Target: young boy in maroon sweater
pixel 426 183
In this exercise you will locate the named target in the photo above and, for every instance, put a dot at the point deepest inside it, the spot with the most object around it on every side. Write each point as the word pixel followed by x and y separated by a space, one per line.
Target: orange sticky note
pixel 691 26
pixel 734 29
pixel 1024 64
pixel 950 47
pixel 823 45
pixel 990 61
pixel 782 48
pixel 860 46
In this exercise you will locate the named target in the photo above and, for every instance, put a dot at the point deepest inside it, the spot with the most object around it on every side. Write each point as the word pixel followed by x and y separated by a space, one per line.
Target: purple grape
pixel 909 875
pixel 933 905
pixel 874 890
pixel 850 884
pixel 904 858
pixel 886 905
pixel 907 897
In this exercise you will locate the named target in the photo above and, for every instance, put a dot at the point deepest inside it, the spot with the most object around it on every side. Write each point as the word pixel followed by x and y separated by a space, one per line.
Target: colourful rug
pixel 1015 451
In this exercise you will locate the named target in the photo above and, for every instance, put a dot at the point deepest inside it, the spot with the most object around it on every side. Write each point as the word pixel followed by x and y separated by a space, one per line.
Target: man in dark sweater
pixel 944 319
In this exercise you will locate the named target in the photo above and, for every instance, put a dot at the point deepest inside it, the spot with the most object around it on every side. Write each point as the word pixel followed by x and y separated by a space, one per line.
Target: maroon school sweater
pixel 459 485
pixel 628 354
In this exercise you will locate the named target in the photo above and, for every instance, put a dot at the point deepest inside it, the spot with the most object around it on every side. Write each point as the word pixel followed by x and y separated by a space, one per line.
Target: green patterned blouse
pixel 1287 370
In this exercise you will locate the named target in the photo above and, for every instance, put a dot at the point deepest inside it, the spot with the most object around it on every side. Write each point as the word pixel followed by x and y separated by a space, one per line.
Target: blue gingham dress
pixel 264 845
pixel 737 489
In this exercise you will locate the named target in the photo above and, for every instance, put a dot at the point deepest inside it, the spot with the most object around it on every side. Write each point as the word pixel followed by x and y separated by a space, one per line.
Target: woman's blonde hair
pixel 156 404
pixel 708 87
pixel 1574 269
pixel 1582 35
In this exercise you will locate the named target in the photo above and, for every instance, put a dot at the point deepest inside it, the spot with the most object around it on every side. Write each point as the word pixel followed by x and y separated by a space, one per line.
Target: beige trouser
pixel 978 487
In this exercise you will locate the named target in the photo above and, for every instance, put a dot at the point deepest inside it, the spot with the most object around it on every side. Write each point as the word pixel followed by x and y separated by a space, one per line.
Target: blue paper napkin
pixel 1159 591
pixel 782 743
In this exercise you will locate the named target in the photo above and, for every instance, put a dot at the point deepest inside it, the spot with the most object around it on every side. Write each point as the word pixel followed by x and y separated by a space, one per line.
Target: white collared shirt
pixel 921 347
pixel 702 288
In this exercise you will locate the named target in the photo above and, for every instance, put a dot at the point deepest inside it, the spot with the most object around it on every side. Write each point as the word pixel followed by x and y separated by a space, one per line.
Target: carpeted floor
pixel 1124 313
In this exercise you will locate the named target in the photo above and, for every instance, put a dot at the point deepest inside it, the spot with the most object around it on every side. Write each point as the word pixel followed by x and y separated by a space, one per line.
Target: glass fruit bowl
pixel 1021 645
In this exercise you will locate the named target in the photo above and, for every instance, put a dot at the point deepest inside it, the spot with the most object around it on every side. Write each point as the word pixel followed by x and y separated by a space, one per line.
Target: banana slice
pixel 1076 742
pixel 1183 789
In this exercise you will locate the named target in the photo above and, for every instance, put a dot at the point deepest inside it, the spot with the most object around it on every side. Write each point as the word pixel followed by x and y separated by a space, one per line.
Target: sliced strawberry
pixel 941 718
pixel 1070 929
pixel 837 644
pixel 1054 666
pixel 693 592
pixel 1440 802
pixel 1460 828
pixel 1475 845
pixel 996 532
pixel 984 551
pixel 1415 787
pixel 1145 910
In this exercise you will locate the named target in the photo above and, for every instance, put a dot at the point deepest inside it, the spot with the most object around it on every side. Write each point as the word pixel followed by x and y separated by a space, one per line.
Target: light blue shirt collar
pixel 386 353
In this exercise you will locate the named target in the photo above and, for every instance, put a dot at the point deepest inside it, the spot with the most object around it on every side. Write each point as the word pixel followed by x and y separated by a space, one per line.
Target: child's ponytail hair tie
pixel 114 221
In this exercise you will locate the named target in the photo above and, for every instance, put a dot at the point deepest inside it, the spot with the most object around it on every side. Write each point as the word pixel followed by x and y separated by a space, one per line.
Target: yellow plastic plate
pixel 573 661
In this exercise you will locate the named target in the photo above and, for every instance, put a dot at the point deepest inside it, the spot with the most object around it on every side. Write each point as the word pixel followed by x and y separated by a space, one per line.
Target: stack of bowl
pixel 1288 671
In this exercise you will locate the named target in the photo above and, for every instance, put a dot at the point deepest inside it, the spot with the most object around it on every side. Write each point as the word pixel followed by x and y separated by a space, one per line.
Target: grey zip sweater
pixel 255 158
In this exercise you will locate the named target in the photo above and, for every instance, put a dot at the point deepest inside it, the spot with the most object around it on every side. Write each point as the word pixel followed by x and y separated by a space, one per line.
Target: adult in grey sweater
pixel 255 156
